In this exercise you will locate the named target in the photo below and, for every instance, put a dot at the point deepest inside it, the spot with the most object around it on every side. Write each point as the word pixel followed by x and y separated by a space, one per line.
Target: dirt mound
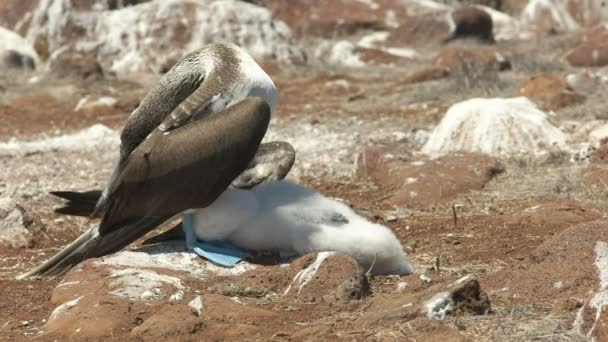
pixel 420 181
pixel 129 292
pixel 561 268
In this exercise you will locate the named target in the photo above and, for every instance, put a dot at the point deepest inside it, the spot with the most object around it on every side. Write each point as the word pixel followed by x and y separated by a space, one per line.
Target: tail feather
pixel 92 245
pixel 79 203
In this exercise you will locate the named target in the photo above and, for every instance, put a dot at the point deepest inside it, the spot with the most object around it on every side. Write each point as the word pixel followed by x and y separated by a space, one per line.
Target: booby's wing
pixel 271 163
pixel 186 168
pixel 181 94
pixel 194 104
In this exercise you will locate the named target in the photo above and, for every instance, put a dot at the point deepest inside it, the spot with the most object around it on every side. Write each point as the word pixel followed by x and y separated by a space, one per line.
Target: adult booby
pixel 196 131
pixel 204 81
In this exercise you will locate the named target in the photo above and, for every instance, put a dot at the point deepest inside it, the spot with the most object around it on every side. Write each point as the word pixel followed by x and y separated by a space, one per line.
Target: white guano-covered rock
pixel 152 35
pixel 16 52
pixel 342 54
pixel 244 24
pixel 92 137
pixel 497 127
pixel 506 27
pixel 564 15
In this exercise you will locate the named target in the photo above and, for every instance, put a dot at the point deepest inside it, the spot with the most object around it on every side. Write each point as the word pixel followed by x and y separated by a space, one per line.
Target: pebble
pixel 425 278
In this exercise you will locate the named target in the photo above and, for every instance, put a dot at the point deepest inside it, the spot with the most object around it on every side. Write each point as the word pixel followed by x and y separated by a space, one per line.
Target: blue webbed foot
pixel 219 252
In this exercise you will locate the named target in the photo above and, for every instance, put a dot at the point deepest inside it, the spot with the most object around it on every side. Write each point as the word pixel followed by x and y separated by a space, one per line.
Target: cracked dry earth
pixel 512 246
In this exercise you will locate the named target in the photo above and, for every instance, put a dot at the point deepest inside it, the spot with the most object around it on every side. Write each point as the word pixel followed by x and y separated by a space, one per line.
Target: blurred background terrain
pixel 476 130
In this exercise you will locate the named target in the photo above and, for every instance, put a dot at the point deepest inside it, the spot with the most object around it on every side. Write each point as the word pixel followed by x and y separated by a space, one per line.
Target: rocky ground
pixel 500 205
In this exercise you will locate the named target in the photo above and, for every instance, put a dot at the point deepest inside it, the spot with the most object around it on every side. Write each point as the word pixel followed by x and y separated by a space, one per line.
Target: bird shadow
pixel 172 241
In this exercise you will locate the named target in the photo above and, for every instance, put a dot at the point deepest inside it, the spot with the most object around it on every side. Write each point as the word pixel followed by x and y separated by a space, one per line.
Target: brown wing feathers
pixel 192 166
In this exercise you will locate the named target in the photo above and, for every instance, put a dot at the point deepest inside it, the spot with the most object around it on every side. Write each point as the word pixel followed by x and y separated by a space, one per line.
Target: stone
pixel 18 227
pixel 88 138
pixel 379 56
pixel 588 55
pixel 420 30
pixel 460 59
pixel 177 321
pixel 328 277
pixel 600 154
pixel 596 178
pixel 15 60
pixel 100 297
pixel 563 16
pixel 472 22
pixel 584 82
pixel 338 17
pixel 174 26
pixel 346 54
pixel 72 62
pixel 549 92
pixel 436 302
pixel 90 316
pixel 430 73
pixel 590 49
pixel 592 318
pixel 16 53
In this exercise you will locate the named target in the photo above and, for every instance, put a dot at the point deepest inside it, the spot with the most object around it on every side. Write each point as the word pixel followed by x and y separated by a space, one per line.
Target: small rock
pixel 16 52
pixel 90 316
pixel 429 73
pixel 318 17
pixel 328 276
pixel 549 92
pixel 175 321
pixel 584 82
pixel 401 287
pixel 596 179
pixel 559 16
pixel 434 302
pixel 313 332
pixel 420 29
pixel 390 218
pixel 472 22
pixel 425 278
pixel 197 304
pixel 459 59
pixel 18 227
pixel 588 55
pixel 599 155
pixel 72 62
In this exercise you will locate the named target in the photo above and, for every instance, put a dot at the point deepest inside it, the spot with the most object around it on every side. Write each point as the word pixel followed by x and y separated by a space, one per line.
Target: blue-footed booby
pixel 196 132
